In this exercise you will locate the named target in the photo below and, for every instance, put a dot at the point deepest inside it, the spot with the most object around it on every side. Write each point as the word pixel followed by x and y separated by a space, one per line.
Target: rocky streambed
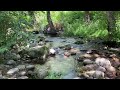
pixel 48 57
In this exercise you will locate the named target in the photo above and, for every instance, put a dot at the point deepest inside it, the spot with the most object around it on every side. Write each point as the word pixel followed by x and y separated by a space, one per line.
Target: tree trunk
pixel 111 24
pixel 50 21
pixel 32 15
pixel 87 16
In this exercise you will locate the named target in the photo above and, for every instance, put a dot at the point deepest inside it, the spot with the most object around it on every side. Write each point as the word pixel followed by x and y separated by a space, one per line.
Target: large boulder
pixel 38 52
pixel 103 62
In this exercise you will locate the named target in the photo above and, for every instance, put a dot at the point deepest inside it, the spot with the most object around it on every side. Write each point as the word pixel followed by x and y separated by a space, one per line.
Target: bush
pixel 76 26
pixel 13 28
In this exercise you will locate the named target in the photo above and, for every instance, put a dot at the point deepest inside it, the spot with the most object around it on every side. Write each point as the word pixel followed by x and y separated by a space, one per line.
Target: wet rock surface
pixel 12 71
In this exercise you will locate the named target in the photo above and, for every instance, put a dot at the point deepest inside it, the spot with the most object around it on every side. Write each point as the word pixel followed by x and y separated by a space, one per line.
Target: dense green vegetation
pixel 16 26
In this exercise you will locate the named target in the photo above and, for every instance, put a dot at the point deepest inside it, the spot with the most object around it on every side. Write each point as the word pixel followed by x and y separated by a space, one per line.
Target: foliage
pixel 13 25
pixel 76 26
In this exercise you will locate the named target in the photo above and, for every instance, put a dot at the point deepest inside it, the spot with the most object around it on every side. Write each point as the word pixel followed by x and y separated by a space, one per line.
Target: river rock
pixel 12 78
pixel 38 52
pixel 112 55
pixel 52 51
pixel 100 68
pixel 12 71
pixel 74 51
pixel 31 73
pixel 4 68
pixel 99 74
pixel 87 61
pixel 41 71
pixel 96 55
pixel 90 67
pixel 116 64
pixel 111 75
pixel 77 78
pixel 67 54
pixel 41 43
pixel 87 56
pixel 107 78
pixel 94 74
pixel 30 67
pixel 88 74
pixel 22 73
pixel 91 78
pixel 103 62
pixel 21 67
pixel 23 77
pixel 11 62
pixel 111 69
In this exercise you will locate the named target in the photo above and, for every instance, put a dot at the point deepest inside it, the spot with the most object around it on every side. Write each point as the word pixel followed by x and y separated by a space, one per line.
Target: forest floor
pixel 68 58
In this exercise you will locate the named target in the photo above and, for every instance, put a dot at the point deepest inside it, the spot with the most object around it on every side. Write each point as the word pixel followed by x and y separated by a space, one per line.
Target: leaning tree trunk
pixel 50 21
pixel 111 24
pixel 87 16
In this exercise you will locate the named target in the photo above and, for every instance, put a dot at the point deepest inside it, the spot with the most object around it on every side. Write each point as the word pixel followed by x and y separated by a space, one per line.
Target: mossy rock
pixel 41 71
pixel 36 51
pixel 39 53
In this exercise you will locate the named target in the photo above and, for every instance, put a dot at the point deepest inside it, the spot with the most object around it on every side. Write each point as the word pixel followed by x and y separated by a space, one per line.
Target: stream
pixel 59 63
pixel 64 64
